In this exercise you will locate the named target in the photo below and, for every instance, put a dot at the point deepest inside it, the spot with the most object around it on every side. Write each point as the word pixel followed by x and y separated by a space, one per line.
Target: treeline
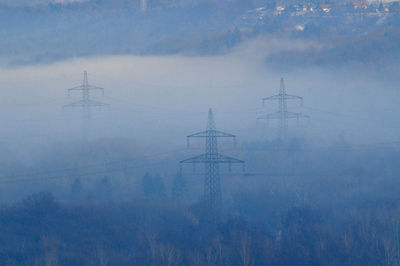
pixel 375 50
pixel 296 205
pixel 41 231
pixel 188 27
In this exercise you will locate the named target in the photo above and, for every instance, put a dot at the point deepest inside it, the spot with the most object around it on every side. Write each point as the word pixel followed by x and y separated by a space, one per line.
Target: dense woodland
pixel 57 32
pixel 298 205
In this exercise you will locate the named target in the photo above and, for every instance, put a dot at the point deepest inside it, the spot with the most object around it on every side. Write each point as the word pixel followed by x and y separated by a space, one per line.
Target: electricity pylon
pixel 211 159
pixel 283 115
pixel 86 103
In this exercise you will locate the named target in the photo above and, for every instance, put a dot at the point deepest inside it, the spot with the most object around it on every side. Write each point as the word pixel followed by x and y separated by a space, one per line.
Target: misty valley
pixel 199 132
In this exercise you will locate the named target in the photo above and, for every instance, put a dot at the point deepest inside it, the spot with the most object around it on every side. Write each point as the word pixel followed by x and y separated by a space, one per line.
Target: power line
pixel 71 169
pixel 56 173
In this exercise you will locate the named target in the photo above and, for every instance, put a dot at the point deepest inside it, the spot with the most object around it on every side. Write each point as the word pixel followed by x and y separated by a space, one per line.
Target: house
pixel 326 8
pixel 279 10
pixel 359 4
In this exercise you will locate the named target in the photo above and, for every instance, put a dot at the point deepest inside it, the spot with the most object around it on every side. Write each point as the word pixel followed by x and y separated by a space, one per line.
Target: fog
pixel 111 189
pixel 158 100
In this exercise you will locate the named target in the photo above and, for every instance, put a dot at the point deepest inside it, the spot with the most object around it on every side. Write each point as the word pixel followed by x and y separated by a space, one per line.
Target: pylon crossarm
pixel 212 158
pixel 208 133
pixel 196 159
pixel 292 97
pixel 77 88
pixel 284 96
pixel 214 133
pixel 274 97
pixel 227 159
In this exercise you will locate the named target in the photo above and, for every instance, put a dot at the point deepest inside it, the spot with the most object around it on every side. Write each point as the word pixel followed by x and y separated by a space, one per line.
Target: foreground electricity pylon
pixel 283 115
pixel 211 158
pixel 86 103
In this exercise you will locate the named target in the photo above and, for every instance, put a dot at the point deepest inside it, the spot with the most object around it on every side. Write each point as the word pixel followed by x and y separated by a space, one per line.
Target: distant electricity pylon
pixel 86 103
pixel 283 115
pixel 211 158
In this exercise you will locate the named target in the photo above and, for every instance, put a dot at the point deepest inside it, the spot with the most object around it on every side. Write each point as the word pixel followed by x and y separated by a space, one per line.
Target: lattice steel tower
pixel 211 159
pixel 283 115
pixel 86 103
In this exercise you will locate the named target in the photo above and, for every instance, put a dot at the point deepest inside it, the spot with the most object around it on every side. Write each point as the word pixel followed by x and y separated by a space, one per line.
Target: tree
pixel 179 186
pixel 39 205
pixel 153 186
pixel 104 188
pixel 381 8
pixel 76 188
